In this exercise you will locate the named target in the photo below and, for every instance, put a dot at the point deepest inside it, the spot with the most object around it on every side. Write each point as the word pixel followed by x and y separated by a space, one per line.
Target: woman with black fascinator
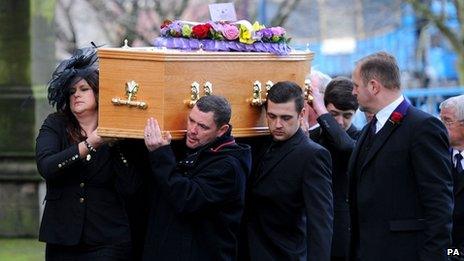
pixel 86 177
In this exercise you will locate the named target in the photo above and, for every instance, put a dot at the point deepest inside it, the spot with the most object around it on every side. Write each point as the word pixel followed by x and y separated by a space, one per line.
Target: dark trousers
pixel 83 252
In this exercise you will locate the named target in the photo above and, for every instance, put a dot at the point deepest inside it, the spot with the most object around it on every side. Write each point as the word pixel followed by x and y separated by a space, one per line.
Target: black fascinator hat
pixel 83 62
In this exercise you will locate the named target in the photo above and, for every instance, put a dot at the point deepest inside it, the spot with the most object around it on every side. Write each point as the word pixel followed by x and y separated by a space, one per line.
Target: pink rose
pixel 230 32
pixel 278 31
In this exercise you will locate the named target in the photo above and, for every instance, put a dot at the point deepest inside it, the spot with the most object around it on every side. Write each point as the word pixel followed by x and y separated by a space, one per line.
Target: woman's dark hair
pixel 82 65
pixel 75 132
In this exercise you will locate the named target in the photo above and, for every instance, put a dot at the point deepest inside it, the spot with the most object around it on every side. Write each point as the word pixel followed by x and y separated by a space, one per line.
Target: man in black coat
pixel 199 199
pixel 337 134
pixel 452 114
pixel 400 170
pixel 289 211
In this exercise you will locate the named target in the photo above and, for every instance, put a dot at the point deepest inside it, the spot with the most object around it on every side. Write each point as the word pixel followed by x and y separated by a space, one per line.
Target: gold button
pixel 82 184
pixel 81 200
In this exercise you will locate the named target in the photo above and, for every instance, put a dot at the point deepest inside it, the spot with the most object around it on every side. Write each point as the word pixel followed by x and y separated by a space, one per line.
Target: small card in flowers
pixel 222 12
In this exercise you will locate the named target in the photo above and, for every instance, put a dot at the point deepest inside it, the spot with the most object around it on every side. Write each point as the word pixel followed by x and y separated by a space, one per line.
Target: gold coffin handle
pixel 269 85
pixel 194 94
pixel 257 99
pixel 208 88
pixel 132 88
pixel 307 91
pixel 139 104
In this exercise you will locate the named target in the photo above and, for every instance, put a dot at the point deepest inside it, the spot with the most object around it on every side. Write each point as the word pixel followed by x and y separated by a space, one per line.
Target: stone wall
pixel 26 61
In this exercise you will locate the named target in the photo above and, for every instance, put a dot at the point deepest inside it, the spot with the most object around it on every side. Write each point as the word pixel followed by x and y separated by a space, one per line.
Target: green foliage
pixel 22 250
pixel 43 8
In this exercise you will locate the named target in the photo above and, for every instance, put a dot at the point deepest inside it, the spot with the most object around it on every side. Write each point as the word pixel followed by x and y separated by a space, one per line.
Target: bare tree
pixel 66 32
pixel 139 21
pixel 286 8
pixel 455 36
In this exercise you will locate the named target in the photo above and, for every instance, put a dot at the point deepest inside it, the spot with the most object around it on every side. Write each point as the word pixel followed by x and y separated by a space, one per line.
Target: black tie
pixel 371 131
pixel 458 166
pixel 373 125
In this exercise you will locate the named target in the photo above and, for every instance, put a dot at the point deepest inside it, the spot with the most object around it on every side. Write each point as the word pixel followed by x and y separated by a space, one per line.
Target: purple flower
pixel 218 27
pixel 165 31
pixel 175 28
pixel 277 31
pixel 267 32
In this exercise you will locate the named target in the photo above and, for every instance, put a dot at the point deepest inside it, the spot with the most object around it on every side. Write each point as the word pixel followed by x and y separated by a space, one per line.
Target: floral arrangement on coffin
pixel 240 36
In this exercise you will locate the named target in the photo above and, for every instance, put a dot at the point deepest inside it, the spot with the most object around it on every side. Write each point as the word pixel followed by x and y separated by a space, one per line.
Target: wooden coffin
pixel 167 82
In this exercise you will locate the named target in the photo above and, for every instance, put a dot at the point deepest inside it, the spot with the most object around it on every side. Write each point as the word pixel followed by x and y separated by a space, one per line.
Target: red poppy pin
pixel 396 117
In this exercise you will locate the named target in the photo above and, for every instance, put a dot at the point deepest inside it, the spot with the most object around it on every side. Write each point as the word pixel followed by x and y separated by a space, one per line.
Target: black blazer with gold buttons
pixel 84 202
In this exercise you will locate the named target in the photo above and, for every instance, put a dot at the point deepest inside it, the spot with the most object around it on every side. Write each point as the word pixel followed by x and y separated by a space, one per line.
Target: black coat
pixel 198 202
pixel 401 194
pixel 289 211
pixel 83 200
pixel 458 213
pixel 340 144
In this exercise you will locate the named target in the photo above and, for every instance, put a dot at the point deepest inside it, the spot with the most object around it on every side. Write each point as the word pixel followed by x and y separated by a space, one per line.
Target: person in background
pixel 84 216
pixel 452 115
pixel 318 80
pixel 336 133
pixel 288 209
pixel 401 187
pixel 199 195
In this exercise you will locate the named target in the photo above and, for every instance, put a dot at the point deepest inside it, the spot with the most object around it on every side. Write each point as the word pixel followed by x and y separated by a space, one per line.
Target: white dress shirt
pixel 384 114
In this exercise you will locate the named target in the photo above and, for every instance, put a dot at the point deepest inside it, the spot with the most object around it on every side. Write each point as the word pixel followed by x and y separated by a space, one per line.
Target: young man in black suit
pixel 289 212
pixel 400 170
pixel 452 115
pixel 335 113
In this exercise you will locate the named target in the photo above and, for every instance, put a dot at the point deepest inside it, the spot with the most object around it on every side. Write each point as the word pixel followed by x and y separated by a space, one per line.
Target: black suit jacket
pixel 83 200
pixel 289 211
pixel 458 213
pixel 198 202
pixel 401 196
pixel 340 144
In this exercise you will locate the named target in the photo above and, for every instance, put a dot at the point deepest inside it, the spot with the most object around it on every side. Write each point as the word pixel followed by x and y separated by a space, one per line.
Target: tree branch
pixel 460 15
pixel 179 11
pixel 439 22
pixel 286 8
pixel 71 41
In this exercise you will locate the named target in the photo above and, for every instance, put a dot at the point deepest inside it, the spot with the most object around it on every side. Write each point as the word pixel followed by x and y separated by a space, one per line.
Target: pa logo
pixel 452 252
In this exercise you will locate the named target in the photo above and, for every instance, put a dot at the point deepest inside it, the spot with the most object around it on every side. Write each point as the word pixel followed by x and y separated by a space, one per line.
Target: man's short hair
pixel 218 105
pixel 382 67
pixel 457 103
pixel 339 93
pixel 283 92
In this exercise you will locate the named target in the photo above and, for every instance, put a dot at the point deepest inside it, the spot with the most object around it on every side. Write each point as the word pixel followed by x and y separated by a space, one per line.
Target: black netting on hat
pixel 83 62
